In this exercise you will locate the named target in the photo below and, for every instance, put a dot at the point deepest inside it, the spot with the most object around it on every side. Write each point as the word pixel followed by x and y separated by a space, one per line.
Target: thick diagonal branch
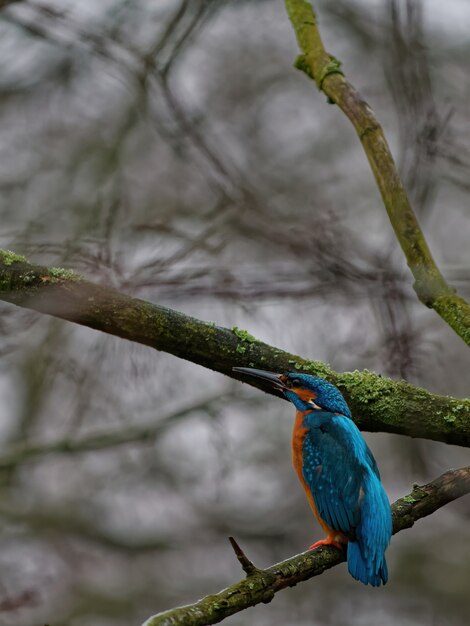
pixel 262 585
pixel 430 285
pixel 378 404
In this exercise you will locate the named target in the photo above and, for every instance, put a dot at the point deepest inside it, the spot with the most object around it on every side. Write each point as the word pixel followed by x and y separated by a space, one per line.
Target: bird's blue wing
pixel 335 456
pixel 344 480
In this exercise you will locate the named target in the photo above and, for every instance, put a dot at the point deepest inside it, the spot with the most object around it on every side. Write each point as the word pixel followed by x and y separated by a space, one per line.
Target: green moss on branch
pixel 8 257
pixel 244 335
pixel 58 274
pixel 378 404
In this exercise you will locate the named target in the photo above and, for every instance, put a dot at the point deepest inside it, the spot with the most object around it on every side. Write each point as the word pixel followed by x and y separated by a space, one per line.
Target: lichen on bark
pixel 377 403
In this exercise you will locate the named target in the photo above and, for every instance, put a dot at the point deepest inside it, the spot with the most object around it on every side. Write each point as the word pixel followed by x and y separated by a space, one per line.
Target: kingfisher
pixel 338 472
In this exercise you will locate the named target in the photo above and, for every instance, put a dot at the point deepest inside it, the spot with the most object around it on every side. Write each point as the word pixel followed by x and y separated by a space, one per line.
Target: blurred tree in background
pixel 168 149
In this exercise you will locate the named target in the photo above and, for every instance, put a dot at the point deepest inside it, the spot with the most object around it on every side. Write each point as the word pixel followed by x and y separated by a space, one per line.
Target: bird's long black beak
pixel 274 380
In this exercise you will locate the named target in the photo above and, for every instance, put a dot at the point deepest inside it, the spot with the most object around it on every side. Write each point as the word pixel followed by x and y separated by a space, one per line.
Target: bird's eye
pixel 296 382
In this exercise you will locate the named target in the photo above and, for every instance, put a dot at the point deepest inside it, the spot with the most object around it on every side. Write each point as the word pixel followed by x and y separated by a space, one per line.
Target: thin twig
pixel 247 565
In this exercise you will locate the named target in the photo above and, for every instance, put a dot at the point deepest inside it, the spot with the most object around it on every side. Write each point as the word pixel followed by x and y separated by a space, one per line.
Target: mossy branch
pixel 378 404
pixel 261 585
pixel 430 285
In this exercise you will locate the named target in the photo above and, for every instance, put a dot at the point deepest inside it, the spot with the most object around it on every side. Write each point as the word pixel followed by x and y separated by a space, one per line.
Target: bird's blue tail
pixel 366 555
pixel 360 569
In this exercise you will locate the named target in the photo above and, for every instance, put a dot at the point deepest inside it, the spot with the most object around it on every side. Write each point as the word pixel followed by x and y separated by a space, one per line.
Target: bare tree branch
pixel 5 3
pixel 247 566
pixel 430 286
pixel 379 404
pixel 55 522
pixel 261 585
pixel 27 451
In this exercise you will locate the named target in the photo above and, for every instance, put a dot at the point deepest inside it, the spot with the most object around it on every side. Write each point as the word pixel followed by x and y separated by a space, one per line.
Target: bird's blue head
pixel 306 392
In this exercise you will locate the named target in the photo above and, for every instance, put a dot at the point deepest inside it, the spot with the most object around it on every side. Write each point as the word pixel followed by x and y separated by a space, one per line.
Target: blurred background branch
pixel 5 3
pixel 20 454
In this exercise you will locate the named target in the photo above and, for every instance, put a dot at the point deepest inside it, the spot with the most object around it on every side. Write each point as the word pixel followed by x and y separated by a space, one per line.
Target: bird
pixel 338 472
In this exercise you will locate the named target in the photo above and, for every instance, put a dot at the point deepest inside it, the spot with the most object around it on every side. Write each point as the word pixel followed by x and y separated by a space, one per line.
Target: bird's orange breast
pixel 298 435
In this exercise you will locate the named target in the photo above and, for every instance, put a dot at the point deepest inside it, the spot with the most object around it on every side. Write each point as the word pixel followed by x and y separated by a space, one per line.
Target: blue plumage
pixel 345 484
pixel 338 472
pixel 331 397
pixel 342 475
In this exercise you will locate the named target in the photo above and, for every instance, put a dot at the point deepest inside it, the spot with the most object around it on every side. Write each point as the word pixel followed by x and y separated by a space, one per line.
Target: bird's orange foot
pixel 329 541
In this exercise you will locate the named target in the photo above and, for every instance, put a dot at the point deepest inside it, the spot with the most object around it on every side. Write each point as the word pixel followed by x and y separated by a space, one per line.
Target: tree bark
pixel 377 403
